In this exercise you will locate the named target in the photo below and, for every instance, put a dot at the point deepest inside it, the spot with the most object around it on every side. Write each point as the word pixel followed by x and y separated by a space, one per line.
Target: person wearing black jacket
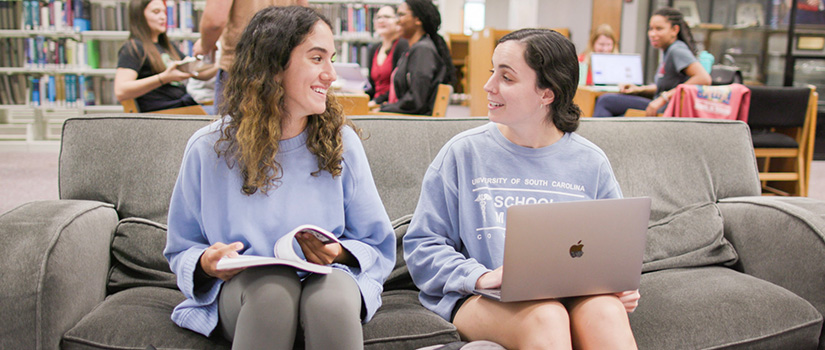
pixel 426 65
pixel 382 57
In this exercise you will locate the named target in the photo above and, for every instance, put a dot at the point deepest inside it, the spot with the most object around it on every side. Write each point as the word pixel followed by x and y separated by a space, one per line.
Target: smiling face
pixel 408 23
pixel 309 73
pixel 661 32
pixel 385 21
pixel 603 44
pixel 513 98
pixel 155 14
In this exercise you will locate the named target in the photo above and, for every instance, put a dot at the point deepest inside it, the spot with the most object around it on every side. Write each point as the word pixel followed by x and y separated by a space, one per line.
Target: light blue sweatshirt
pixel 208 206
pixel 457 231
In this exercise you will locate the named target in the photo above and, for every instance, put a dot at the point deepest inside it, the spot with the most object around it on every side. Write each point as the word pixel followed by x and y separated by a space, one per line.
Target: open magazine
pixel 284 253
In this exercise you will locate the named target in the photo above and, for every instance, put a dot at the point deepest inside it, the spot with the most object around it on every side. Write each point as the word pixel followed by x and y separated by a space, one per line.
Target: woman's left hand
pixel 630 299
pixel 654 106
pixel 320 253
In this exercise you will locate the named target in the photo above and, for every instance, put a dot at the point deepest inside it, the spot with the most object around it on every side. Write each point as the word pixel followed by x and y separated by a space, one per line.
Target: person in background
pixel 455 243
pixel 603 40
pixel 382 58
pixel 225 20
pixel 146 64
pixel 203 91
pixel 427 63
pixel 668 32
pixel 282 156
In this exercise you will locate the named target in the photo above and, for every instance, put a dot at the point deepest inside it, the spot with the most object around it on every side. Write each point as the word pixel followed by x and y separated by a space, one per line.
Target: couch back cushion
pixel 400 149
pixel 678 162
pixel 130 161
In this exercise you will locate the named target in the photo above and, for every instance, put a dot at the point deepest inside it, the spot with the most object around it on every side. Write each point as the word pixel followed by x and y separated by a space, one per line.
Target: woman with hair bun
pixel 426 64
pixel 455 241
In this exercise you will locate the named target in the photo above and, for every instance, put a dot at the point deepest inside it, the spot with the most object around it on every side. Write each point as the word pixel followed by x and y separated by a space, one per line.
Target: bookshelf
pixel 58 57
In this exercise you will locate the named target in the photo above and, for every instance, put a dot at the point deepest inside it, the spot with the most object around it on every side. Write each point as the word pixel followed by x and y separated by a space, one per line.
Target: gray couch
pixel 724 267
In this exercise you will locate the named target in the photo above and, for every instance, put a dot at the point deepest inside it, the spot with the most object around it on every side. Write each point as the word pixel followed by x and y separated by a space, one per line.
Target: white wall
pixel 575 15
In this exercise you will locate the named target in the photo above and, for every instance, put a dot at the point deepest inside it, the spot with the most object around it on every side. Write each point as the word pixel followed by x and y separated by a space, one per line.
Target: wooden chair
pixel 783 123
pixel 130 106
pixel 442 100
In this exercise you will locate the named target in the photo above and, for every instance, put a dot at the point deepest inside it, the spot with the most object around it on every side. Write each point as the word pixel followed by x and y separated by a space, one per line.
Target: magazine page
pixel 284 253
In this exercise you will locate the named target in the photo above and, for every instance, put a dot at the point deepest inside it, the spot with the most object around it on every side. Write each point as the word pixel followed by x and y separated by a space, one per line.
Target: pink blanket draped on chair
pixel 710 101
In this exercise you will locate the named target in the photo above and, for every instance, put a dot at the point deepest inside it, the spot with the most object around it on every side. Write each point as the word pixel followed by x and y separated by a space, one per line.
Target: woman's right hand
pixel 628 88
pixel 490 280
pixel 173 74
pixel 211 256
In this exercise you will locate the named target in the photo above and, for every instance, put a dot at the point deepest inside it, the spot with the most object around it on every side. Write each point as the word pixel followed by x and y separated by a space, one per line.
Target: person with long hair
pixel 603 40
pixel 455 245
pixel 146 64
pixel 426 65
pixel 383 57
pixel 668 32
pixel 284 155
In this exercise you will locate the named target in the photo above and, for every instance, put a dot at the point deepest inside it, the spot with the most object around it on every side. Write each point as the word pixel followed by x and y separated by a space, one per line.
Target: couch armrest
pixel 780 240
pixel 55 260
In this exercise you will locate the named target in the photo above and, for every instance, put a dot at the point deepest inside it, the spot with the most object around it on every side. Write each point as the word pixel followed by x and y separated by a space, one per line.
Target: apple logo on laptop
pixel 576 250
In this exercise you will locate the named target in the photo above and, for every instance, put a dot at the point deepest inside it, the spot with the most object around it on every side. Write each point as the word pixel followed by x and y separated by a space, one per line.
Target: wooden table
pixel 353 103
pixel 586 99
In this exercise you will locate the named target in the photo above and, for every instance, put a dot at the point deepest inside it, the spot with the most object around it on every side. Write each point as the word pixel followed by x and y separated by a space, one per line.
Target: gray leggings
pixel 260 308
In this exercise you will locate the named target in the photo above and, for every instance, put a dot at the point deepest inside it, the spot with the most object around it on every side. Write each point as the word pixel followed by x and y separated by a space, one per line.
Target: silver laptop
pixel 351 77
pixel 556 250
pixel 610 70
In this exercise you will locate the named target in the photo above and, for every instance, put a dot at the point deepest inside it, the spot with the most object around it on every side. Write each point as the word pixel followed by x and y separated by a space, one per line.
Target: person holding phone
pixel 147 68
pixel 284 155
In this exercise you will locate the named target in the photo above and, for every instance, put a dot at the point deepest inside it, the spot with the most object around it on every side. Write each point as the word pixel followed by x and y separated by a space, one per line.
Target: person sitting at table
pixel 427 63
pixel 603 40
pixel 667 31
pixel 146 64
pixel 382 58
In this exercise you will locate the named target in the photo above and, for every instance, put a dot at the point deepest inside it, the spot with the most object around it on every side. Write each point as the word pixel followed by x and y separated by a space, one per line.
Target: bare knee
pixel 600 320
pixel 545 326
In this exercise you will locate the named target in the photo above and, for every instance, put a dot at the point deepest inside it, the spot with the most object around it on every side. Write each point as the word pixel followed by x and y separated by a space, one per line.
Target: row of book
pixel 79 15
pixel 47 52
pixel 350 21
pixel 59 90
pixel 353 52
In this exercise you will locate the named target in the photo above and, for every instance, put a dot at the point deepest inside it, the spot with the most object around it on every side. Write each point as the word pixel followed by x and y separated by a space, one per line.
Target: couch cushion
pixel 134 319
pixel 717 307
pixel 129 160
pixel 400 276
pixel 691 236
pixel 137 256
pixel 138 317
pixel 403 323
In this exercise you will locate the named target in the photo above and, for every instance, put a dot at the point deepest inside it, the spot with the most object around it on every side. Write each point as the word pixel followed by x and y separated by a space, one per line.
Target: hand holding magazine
pixel 284 253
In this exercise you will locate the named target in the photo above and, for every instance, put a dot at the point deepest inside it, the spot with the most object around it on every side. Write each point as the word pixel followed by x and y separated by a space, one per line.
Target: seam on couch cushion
pixel 754 339
pixel 45 262
pixel 408 337
pixel 780 206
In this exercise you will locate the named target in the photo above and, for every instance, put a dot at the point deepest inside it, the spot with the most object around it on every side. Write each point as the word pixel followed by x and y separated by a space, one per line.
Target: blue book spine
pixel 27 14
pixel 35 8
pixel 35 88
pixel 52 90
pixel 81 89
pixel 40 50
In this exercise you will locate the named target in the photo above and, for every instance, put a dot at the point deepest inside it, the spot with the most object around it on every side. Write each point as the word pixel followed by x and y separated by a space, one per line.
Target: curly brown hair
pixel 254 108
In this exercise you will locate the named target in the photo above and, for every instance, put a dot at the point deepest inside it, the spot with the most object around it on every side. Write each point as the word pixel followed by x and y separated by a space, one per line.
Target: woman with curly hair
pixel 283 155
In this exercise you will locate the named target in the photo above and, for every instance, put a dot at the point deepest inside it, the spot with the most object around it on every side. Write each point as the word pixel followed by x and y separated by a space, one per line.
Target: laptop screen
pixel 350 77
pixel 613 69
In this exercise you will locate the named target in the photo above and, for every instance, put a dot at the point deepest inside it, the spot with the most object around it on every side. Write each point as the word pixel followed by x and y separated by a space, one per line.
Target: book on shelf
pixel 284 253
